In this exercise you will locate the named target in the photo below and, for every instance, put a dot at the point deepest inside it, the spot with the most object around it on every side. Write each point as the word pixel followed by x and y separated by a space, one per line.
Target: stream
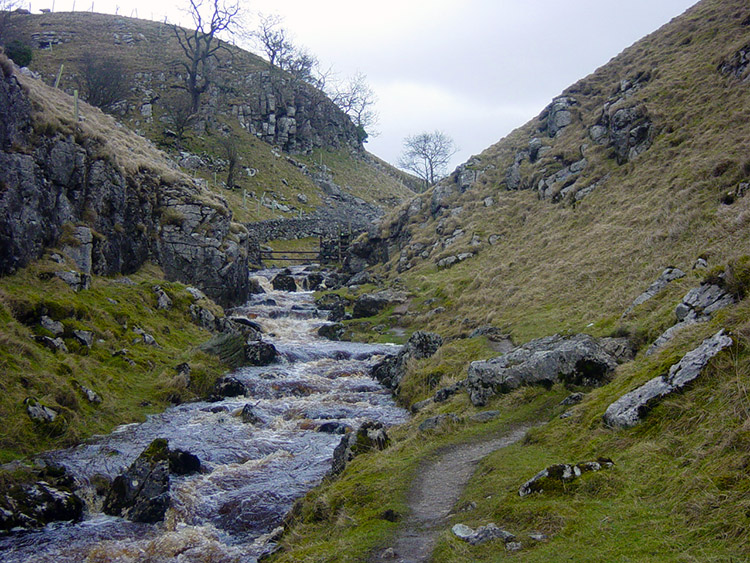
pixel 252 473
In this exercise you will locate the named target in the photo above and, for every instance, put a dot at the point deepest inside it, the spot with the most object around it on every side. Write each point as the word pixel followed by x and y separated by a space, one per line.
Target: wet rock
pixel 482 534
pixel 85 337
pixel 630 409
pixel 162 299
pixel 76 280
pixel 52 344
pixel 228 386
pixel 313 282
pixel 260 353
pixel 334 427
pixel 284 281
pixel 370 436
pixel 698 305
pixel 141 493
pixel 371 304
pixel 434 422
pixel 391 369
pixel 182 462
pixel 554 476
pixel 55 327
pixel 335 304
pixel 332 331
pixel 33 505
pixel 661 283
pixel 245 322
pixel 576 360
pixel 39 412
pixel 248 415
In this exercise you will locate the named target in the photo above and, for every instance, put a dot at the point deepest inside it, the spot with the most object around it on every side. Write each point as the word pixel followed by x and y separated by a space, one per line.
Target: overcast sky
pixel 474 69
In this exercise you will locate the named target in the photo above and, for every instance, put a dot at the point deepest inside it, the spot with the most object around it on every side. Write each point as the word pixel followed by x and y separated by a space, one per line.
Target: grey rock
pixel 371 436
pixel 28 506
pixel 482 534
pixel 162 299
pixel 260 353
pixel 333 331
pixel 55 327
pixel 52 344
pixel 445 393
pixel 80 250
pixel 371 304
pixel 76 280
pixel 630 409
pixel 661 283
pixel 145 337
pixel 538 536
pixel 284 282
pixel 421 405
pixel 578 360
pixel 195 293
pixel 572 399
pixel 38 412
pixel 85 337
pixel 90 395
pixel 420 345
pixel 513 546
pixel 698 305
pixel 558 115
pixel 249 416
pixel 484 416
pixel 435 422
pixel 228 386
pixel 334 303
pixel 462 531
pixel 553 476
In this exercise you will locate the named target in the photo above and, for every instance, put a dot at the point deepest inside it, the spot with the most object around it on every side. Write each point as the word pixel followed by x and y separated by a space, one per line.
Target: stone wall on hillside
pixel 55 190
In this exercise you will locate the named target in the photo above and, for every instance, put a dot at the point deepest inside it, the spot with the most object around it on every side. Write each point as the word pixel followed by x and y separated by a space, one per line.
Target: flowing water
pixel 252 472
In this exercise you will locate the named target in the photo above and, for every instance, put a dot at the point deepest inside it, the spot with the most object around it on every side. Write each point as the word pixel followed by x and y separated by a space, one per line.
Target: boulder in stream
pixel 284 281
pixel 370 436
pixel 420 345
pixel 227 386
pixel 260 353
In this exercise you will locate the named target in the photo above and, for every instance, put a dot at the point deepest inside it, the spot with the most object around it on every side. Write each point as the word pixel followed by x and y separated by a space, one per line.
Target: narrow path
pixel 435 491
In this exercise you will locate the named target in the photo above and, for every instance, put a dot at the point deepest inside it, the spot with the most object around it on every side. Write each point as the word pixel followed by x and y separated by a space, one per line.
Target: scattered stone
pixel 52 344
pixel 513 546
pixel 195 293
pixel 332 331
pixel 85 337
pixel 462 531
pixel 576 360
pixel 437 421
pixel 391 369
pixel 447 392
pixel 76 280
pixel 538 536
pixel 260 353
pixel 90 395
pixel 38 412
pixel 555 475
pixel 700 264
pixel 572 399
pixel 228 386
pixel 55 327
pixel 162 299
pixel 370 436
pixel 630 409
pixel 284 281
pixel 667 276
pixel 249 416
pixel 145 337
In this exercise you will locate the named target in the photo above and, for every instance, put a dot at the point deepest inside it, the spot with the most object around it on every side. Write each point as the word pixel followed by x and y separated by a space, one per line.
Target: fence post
pixel 59 76
pixel 75 104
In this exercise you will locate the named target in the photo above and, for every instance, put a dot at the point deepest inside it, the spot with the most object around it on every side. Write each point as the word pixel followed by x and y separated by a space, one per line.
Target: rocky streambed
pixel 258 451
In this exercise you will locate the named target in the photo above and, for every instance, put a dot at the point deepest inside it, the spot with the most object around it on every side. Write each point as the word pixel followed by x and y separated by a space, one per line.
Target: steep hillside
pixel 267 114
pixel 541 248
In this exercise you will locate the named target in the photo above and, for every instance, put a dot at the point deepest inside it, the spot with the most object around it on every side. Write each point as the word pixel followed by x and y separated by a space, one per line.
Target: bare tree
pixel 102 81
pixel 427 155
pixel 273 41
pixel 201 45
pixel 356 99
pixel 179 111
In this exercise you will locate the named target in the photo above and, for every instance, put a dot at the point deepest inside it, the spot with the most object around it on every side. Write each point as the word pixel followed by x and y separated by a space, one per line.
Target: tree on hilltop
pixel 201 44
pixel 427 155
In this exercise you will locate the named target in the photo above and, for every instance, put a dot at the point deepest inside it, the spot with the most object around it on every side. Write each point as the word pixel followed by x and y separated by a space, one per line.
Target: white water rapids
pixel 252 472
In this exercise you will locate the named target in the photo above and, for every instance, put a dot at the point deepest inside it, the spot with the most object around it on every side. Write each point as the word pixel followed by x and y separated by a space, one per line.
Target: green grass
pixel 111 311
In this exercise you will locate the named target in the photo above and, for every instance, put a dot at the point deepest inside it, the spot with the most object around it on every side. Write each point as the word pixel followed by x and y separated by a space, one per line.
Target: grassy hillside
pixel 557 264
pixel 150 56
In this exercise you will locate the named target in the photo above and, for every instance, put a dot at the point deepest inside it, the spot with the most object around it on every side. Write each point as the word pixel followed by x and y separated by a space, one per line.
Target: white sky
pixel 475 69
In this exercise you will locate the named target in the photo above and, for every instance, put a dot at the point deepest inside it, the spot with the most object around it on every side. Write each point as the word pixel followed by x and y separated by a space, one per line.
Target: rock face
pixel 630 409
pixel 555 476
pixel 392 369
pixel 370 436
pixel 578 360
pixel 57 189
pixel 697 306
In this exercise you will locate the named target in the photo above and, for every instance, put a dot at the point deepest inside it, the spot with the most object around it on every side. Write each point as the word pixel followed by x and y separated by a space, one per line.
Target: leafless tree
pixel 102 81
pixel 273 41
pixel 201 45
pixel 178 109
pixel 427 155
pixel 356 99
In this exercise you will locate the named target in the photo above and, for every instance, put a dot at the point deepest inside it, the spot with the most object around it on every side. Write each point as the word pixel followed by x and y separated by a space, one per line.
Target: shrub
pixel 20 52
